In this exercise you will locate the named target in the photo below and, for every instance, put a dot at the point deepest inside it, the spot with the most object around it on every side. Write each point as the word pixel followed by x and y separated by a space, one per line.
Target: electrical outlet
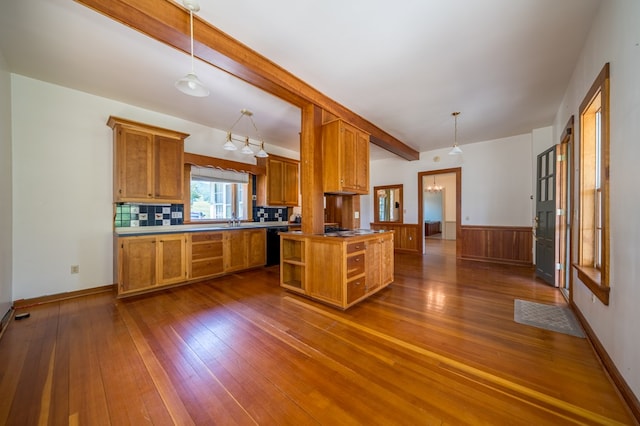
pixel 75 269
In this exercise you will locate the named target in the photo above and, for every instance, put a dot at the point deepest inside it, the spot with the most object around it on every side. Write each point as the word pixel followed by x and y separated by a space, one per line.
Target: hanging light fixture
pixel 435 187
pixel 456 149
pixel 190 84
pixel 246 149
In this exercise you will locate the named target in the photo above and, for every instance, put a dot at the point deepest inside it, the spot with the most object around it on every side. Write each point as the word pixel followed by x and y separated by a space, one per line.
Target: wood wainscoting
pixel 407 236
pixel 500 244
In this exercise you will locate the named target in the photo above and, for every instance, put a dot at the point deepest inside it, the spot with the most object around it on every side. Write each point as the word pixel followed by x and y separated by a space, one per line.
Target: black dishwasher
pixel 273 244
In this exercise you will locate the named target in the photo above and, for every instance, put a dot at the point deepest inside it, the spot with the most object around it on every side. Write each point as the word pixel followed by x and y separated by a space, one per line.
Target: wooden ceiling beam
pixel 168 22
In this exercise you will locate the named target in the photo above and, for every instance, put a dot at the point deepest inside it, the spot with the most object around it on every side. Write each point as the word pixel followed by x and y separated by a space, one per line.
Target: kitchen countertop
pixel 193 227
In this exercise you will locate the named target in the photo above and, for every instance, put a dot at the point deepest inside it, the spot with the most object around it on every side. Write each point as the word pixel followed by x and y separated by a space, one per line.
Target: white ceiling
pixel 402 65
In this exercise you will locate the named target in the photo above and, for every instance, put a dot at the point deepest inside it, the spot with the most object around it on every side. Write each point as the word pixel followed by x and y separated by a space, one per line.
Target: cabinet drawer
pixel 206 236
pixel 206 250
pixel 356 289
pixel 205 268
pixel 354 247
pixel 355 265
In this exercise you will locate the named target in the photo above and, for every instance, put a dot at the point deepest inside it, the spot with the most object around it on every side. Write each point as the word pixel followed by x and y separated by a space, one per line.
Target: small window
pixel 593 238
pixel 218 194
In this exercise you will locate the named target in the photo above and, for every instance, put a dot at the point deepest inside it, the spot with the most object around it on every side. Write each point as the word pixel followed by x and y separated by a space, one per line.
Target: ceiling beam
pixel 168 22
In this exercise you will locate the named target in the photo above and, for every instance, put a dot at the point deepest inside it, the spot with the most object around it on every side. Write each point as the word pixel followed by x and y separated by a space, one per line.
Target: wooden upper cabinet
pixel 281 185
pixel 148 162
pixel 345 151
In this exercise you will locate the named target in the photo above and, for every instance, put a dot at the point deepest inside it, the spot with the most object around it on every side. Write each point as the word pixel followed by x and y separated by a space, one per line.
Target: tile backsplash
pixel 127 215
pixel 270 214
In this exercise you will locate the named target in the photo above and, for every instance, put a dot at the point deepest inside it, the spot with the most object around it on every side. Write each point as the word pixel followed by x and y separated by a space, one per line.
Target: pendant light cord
pixel 191 25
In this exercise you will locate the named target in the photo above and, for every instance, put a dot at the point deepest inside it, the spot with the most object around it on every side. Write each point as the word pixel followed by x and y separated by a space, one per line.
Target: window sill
pixel 592 278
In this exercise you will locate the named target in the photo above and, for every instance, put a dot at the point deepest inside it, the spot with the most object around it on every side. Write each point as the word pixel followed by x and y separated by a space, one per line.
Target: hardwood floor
pixel 439 346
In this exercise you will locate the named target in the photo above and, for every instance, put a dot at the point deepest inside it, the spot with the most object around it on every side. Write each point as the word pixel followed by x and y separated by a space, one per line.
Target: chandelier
pixel 246 148
pixel 435 187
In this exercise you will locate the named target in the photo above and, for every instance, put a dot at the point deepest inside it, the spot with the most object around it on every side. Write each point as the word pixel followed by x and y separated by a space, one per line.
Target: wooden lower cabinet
pixel 205 254
pixel 407 235
pixel 256 240
pixel 146 263
pixel 171 261
pixel 150 261
pixel 136 264
pixel 334 270
pixel 244 248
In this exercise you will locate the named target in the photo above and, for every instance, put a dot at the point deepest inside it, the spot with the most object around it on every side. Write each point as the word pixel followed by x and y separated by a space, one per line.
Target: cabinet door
pixel 275 179
pixel 137 263
pixel 291 181
pixel 256 247
pixel 361 164
pixel 374 264
pixel 326 273
pixel 349 158
pixel 235 250
pixel 387 263
pixel 169 163
pixel 171 259
pixel 133 165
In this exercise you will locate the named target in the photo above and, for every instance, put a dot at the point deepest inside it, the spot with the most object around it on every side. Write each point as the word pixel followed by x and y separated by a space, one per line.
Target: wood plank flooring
pixel 439 346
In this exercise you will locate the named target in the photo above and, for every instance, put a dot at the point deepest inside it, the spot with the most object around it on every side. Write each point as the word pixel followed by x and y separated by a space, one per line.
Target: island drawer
pixel 355 265
pixel 354 247
pixel 356 289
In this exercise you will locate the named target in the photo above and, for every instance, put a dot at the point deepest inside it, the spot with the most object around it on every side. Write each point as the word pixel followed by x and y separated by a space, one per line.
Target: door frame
pixel 567 139
pixel 458 173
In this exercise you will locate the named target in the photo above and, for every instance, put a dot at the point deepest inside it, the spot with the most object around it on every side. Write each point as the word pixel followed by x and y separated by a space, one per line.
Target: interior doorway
pixel 442 214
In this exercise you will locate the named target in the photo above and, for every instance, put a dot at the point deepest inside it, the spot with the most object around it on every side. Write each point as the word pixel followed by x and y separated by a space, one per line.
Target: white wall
pixel 615 38
pixel 496 181
pixel 6 258
pixel 62 184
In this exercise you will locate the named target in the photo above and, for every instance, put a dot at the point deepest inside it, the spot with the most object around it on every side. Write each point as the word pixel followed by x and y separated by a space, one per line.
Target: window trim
pixel 206 161
pixel 596 279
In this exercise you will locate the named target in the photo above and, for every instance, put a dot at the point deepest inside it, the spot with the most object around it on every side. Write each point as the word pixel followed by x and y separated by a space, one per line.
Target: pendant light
pixel 435 187
pixel 190 84
pixel 246 149
pixel 456 149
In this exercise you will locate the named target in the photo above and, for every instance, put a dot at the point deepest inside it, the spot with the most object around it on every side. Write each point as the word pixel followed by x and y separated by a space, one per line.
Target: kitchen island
pixel 338 268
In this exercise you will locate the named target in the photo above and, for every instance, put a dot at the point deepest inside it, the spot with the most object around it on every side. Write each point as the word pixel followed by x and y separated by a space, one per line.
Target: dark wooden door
pixel 545 226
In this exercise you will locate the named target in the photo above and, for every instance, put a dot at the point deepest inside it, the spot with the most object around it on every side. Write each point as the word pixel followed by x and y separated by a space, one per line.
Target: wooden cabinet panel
pixel 171 259
pixel 235 251
pixel 325 272
pixel 345 158
pixel 150 261
pixel 256 247
pixel 500 244
pixel 244 248
pixel 134 168
pixel 137 264
pixel 280 186
pixel 169 161
pixel 374 264
pixel 407 235
pixel 148 162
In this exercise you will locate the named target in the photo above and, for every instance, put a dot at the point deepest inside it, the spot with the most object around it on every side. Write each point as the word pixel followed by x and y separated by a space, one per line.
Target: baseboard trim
pixel 24 303
pixel 625 391
pixel 6 319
